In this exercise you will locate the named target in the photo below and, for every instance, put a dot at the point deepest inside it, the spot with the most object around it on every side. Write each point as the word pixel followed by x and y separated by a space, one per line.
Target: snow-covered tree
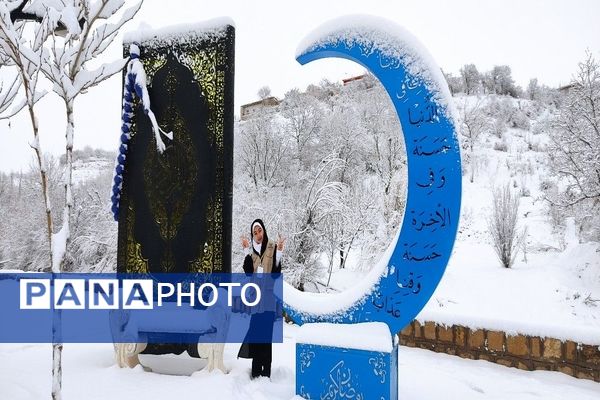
pixel 94 230
pixel 69 71
pixel 503 82
pixel 360 218
pixel 23 229
pixel 65 62
pixel 303 116
pixel 321 202
pixel 455 83
pixel 473 122
pixel 533 89
pixel 341 134
pixel 331 227
pixel 264 92
pixel 25 57
pixel 327 172
pixel 507 112
pixel 575 149
pixel 262 151
pixel 385 152
pixel 326 92
pixel 502 225
pixel 471 78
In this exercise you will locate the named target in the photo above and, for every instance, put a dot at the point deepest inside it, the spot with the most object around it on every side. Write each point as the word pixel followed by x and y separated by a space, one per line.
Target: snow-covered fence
pixel 526 352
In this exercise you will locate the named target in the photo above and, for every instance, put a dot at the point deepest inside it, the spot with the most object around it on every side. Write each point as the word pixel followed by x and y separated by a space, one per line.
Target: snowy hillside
pixel 554 286
pixel 85 170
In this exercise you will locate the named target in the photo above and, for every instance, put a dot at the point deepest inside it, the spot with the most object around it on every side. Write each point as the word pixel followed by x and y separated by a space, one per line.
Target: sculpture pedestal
pixel 339 361
pixel 211 327
pixel 127 355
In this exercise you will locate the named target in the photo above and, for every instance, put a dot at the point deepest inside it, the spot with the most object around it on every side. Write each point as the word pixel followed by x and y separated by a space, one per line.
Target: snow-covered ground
pixel 545 296
pixel 552 290
pixel 89 373
pixel 555 292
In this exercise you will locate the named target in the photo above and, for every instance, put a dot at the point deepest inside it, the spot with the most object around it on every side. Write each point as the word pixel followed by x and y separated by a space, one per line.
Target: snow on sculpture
pixel 402 282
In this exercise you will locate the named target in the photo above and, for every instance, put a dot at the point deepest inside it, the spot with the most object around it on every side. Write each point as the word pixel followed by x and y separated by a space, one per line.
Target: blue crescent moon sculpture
pixel 400 285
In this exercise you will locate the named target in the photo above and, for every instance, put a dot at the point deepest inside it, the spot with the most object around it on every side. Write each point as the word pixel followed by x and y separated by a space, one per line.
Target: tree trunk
pixel 58 265
pixel 472 179
pixel 56 366
pixel 56 348
pixel 68 177
pixel 330 267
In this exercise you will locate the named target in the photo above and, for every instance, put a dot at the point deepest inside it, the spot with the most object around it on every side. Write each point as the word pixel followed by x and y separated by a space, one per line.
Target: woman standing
pixel 262 256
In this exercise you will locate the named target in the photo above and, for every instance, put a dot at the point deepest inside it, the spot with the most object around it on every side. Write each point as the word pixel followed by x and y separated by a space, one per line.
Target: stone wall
pixel 520 351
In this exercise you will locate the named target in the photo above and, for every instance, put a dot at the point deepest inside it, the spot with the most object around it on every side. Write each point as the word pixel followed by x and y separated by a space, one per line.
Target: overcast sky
pixel 542 39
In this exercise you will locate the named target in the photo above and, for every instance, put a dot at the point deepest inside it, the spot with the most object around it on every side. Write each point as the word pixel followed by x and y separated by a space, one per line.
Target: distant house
pixel 248 110
pixel 364 81
pixel 348 81
pixel 568 88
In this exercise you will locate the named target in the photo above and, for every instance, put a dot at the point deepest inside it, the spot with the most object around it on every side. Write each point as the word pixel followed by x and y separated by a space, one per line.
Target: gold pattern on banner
pixel 204 264
pixel 169 176
pixel 153 64
pixel 208 67
pixel 135 263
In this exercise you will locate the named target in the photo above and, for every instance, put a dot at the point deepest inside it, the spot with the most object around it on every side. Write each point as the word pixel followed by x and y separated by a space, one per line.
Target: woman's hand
pixel 280 242
pixel 245 241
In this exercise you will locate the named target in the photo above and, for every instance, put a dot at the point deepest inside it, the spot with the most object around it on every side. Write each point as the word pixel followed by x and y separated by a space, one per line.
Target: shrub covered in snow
pixel 502 225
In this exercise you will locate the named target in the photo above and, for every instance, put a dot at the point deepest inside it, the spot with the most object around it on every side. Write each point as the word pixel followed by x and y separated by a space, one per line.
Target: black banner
pixel 175 208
